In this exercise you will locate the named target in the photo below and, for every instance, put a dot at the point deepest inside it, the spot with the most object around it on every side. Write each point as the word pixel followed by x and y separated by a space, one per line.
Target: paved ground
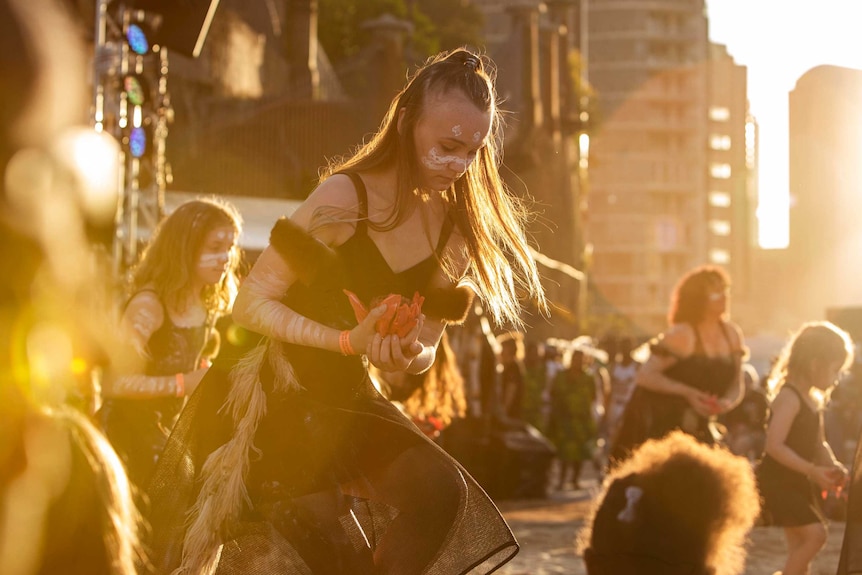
pixel 546 530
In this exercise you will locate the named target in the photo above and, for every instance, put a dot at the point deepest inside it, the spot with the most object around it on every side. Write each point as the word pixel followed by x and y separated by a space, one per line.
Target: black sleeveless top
pixel 650 414
pixel 712 375
pixel 175 349
pixel 803 437
pixel 329 430
pixel 138 428
pixel 359 267
pixel 789 497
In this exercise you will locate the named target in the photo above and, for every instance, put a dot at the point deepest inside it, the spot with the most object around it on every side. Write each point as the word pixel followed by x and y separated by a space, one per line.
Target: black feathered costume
pixel 252 478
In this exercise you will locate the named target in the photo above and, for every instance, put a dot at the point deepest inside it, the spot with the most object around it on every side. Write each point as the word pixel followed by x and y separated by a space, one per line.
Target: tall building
pixel 731 186
pixel 826 191
pixel 535 44
pixel 649 185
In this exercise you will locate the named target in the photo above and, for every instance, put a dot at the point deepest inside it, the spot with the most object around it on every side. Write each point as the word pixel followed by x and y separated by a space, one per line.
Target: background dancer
pixel 294 462
pixel 186 280
pixel 694 372
pixel 799 463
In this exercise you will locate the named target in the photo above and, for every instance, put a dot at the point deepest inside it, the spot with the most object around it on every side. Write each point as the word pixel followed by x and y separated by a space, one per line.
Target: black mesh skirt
pixel 319 486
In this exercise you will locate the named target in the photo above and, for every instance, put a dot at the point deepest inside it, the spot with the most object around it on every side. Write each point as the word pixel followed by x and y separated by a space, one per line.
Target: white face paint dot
pixel 434 161
pixel 477 136
pixel 456 130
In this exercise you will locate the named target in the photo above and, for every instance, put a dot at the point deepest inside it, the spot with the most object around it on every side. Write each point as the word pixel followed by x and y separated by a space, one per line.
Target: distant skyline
pixel 778 41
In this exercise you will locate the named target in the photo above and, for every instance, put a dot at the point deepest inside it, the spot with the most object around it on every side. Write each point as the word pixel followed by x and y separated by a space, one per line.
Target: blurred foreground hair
pixel 67 504
pixel 675 507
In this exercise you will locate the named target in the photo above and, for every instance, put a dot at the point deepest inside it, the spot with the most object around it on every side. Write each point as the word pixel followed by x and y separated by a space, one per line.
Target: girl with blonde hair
pixel 799 463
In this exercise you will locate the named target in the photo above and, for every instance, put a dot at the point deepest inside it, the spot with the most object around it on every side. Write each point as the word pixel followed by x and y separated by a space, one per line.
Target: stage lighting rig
pixel 131 101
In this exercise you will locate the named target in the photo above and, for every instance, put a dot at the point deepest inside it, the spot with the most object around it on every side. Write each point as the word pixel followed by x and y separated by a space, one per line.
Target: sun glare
pixel 768 40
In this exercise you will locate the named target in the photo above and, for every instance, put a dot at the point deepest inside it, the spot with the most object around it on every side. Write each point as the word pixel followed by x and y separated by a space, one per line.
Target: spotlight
pixel 137 39
pixel 134 90
pixel 137 142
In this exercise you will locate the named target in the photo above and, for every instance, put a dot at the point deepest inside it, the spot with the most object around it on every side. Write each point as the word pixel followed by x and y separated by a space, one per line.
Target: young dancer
pixel 186 279
pixel 799 464
pixel 290 460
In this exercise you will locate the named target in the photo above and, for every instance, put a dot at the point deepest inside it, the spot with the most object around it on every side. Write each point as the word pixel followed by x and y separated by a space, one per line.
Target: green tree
pixel 455 23
pixel 437 25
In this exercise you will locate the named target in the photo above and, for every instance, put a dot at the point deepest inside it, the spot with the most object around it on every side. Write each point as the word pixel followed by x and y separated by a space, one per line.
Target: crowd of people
pixel 319 445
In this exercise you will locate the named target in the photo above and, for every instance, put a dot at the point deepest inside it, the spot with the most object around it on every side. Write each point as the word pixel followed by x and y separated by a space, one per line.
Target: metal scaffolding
pixel 132 104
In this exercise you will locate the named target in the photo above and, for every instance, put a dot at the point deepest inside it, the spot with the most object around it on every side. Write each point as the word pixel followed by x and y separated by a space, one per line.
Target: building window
pixel 718 256
pixel 667 235
pixel 719 199
pixel 750 143
pixel 719 114
pixel 720 171
pixel 720 227
pixel 719 142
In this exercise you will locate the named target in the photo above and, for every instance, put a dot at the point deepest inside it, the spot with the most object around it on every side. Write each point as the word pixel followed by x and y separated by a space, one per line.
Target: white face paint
pixel 444 138
pixel 434 161
pixel 216 254
pixel 212 261
pixel 477 137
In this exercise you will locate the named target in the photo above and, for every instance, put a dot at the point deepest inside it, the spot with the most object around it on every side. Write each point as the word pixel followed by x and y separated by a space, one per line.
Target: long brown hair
pixel 168 263
pixel 441 393
pixel 488 215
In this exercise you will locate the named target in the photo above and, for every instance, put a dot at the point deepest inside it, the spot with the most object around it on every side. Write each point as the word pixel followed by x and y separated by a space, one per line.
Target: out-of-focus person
pixel 512 374
pixel 623 371
pixel 572 427
pixel 675 507
pixel 694 372
pixel 799 463
pixel 65 504
pixel 432 399
pixel 746 423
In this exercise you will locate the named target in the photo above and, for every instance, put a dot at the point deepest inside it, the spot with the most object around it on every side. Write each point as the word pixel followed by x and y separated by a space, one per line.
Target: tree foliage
pixel 437 25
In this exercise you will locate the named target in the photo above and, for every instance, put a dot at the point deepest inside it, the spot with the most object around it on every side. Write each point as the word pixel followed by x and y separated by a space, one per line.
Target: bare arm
pixel 258 305
pixel 785 407
pixel 141 319
pixel 825 456
pixel 679 340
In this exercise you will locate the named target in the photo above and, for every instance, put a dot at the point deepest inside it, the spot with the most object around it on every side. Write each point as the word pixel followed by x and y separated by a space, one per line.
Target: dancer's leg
pixel 426 490
pixel 803 544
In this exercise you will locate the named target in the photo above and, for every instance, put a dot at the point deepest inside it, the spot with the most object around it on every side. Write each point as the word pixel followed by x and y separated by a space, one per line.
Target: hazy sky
pixel 778 41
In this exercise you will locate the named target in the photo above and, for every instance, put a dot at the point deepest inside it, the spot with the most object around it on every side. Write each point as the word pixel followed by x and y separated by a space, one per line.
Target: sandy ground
pixel 546 530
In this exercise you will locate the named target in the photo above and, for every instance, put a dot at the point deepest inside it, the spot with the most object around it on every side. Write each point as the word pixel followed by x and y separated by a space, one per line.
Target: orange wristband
pixel 344 343
pixel 181 385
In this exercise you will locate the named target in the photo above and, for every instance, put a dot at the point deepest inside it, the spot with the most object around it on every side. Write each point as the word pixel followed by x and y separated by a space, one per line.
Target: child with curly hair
pixel 676 506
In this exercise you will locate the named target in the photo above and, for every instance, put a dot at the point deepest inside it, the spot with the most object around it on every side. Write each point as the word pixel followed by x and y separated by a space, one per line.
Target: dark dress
pixel 300 425
pixel 789 498
pixel 850 560
pixel 652 415
pixel 139 428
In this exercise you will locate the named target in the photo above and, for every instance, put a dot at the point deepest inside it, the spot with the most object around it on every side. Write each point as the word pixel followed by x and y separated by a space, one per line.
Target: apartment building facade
pixel 672 160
